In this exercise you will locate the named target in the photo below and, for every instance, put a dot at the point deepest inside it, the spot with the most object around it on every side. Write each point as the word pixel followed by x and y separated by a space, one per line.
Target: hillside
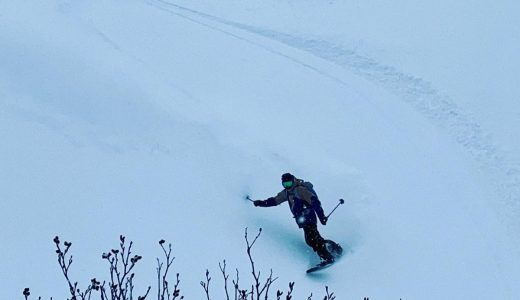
pixel 154 118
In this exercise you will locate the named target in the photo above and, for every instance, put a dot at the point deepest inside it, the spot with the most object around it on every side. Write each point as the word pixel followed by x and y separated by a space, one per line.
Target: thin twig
pixel 205 285
pixel 223 270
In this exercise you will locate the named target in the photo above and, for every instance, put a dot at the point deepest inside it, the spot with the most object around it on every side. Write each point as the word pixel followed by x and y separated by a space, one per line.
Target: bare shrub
pixel 120 285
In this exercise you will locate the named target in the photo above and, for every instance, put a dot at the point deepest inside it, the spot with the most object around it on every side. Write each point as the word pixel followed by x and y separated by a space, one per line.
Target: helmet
pixel 287 180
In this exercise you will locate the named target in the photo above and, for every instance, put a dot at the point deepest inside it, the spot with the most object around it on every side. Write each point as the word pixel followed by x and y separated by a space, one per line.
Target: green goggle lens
pixel 287 184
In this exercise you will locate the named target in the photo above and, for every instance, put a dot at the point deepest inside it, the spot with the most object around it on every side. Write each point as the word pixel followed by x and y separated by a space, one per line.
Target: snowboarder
pixel 305 205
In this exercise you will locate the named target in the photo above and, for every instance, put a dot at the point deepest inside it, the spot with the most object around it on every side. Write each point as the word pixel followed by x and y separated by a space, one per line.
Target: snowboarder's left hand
pixel 324 220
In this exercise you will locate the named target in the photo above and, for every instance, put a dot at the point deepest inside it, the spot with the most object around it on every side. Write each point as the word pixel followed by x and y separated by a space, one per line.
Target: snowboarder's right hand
pixel 324 220
pixel 258 202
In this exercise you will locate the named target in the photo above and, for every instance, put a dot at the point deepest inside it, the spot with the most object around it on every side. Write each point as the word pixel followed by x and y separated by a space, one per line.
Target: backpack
pixel 309 186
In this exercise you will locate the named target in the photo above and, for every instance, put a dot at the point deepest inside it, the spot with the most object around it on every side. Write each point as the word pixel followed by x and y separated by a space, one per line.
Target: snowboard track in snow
pixel 420 94
pixel 257 44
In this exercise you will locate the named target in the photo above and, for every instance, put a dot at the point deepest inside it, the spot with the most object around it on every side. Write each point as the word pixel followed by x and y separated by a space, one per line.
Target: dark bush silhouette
pixel 120 285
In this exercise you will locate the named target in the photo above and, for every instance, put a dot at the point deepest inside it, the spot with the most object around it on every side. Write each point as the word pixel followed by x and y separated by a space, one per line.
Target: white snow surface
pixel 154 118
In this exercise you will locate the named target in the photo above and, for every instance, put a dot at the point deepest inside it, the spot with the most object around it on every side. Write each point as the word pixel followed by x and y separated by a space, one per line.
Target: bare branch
pixel 205 285
pixel 223 270
pixel 163 287
pixel 330 296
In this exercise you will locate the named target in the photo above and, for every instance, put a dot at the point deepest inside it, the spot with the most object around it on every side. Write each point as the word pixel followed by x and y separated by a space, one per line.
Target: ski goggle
pixel 287 184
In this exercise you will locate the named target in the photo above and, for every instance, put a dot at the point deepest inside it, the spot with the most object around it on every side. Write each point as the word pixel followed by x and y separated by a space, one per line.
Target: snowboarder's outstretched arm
pixel 273 201
pixel 265 203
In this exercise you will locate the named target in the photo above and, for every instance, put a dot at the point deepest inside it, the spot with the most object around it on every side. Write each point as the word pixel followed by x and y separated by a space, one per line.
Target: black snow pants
pixel 316 241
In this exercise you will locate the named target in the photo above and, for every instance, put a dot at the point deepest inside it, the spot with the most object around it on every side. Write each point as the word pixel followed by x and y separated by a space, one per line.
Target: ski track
pixel 420 94
pixel 269 49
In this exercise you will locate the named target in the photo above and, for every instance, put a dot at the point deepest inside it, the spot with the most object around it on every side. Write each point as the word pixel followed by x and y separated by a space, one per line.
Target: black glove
pixel 324 220
pixel 258 202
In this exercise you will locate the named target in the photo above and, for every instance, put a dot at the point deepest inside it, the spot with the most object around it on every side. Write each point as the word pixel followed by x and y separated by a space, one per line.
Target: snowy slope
pixel 153 120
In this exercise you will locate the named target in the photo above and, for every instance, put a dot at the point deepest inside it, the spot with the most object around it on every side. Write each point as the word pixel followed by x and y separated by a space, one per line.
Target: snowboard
pixel 334 249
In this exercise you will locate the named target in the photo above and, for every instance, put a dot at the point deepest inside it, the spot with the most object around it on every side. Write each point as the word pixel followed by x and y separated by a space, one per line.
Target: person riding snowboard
pixel 304 205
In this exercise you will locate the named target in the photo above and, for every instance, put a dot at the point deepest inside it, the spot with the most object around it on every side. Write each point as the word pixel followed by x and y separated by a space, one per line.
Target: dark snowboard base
pixel 336 251
pixel 319 266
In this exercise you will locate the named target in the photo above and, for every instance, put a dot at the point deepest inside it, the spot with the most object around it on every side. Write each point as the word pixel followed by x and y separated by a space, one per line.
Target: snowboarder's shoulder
pixel 281 196
pixel 302 190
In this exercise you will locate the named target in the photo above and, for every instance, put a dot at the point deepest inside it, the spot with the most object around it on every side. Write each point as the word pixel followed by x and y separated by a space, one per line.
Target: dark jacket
pixel 303 202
